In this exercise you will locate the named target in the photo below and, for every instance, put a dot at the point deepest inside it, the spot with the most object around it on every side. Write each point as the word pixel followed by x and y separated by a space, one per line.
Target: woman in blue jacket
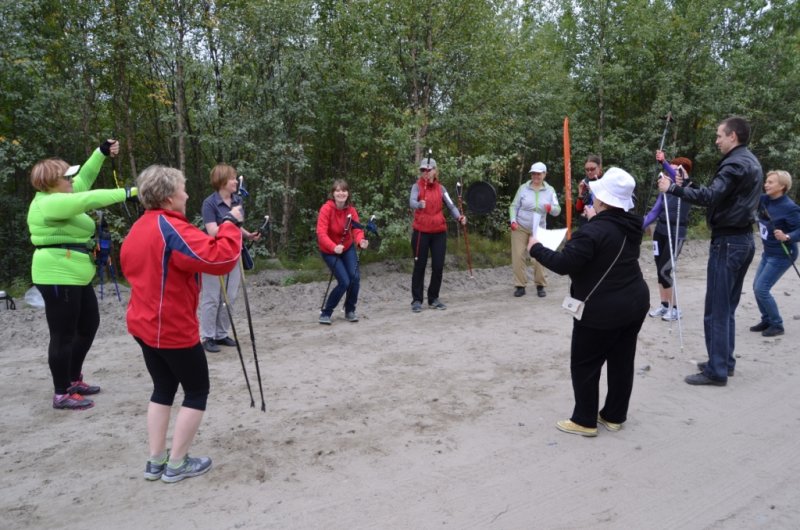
pixel 779 225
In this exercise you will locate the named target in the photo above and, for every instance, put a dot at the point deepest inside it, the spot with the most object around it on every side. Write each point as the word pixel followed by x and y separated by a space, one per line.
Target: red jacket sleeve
pixel 195 251
pixel 324 241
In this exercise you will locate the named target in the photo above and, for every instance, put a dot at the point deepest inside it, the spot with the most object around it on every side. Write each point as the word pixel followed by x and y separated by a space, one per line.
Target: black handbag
pixel 247 260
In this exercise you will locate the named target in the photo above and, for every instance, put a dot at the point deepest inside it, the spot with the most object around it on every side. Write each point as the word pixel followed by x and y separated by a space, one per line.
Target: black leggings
pixel 170 367
pixel 73 319
pixel 421 244
pixel 663 262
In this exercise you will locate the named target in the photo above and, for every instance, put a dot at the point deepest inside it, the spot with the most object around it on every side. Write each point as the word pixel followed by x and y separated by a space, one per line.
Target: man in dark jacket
pixel 731 199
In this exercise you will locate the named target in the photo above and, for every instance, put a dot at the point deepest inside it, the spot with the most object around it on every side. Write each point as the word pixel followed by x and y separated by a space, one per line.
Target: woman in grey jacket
pixel 533 198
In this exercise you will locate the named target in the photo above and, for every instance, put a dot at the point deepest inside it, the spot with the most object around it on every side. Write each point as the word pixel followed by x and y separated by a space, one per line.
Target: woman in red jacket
pixel 162 258
pixel 427 200
pixel 338 233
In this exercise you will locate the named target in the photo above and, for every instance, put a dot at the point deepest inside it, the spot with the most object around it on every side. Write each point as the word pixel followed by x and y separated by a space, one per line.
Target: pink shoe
pixel 84 389
pixel 72 402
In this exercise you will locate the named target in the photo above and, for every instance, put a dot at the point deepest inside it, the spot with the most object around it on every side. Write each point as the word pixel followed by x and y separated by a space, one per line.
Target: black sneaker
pixel 191 467
pixel 772 331
pixel 761 326
pixel 702 379
pixel 540 292
pixel 226 341
pixel 436 304
pixel 416 307
pixel 519 291
pixel 210 345
pixel 702 368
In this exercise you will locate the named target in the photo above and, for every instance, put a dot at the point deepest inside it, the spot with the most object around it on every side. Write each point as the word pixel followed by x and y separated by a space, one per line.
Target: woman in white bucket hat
pixel 602 261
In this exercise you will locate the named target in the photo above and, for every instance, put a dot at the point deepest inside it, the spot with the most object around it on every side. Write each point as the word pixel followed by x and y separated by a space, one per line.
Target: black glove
pixel 105 147
pixel 230 218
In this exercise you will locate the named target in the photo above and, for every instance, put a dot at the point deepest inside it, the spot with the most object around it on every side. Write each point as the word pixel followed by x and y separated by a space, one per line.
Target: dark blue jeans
pixel 769 272
pixel 728 260
pixel 348 280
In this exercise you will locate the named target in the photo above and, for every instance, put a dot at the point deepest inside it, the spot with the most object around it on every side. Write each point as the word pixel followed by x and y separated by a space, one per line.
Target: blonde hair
pixel 221 174
pixel 158 183
pixel 45 173
pixel 784 178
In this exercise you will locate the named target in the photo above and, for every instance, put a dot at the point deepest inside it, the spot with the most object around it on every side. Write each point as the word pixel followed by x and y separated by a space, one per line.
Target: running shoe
pixel 436 304
pixel 659 311
pixel 351 316
pixel 82 388
pixel 154 470
pixel 72 402
pixel 191 467
pixel 672 314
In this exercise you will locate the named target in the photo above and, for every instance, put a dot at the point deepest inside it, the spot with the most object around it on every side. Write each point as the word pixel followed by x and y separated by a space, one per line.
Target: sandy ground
pixel 443 419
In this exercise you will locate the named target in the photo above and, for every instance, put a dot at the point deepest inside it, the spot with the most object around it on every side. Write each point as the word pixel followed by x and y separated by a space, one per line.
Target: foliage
pixel 296 93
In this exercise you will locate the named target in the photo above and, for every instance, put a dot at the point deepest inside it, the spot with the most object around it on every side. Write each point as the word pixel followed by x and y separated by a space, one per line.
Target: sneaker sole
pixel 74 408
pixel 153 476
pixel 178 478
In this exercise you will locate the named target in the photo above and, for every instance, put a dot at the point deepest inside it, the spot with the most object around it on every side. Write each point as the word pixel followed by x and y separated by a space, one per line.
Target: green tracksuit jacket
pixel 60 218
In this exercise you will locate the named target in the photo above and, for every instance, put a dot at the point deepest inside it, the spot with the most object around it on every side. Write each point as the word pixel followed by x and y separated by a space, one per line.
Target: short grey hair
pixel 157 183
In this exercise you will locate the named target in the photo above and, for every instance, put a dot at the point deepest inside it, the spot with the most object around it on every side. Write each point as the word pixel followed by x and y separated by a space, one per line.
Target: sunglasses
pixel 425 169
pixel 591 169
pixel 70 173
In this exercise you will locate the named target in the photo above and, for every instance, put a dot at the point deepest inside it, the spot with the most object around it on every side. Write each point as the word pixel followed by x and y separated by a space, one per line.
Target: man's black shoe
pixel 702 379
pixel 772 331
pixel 519 291
pixel 540 291
pixel 761 326
pixel 702 368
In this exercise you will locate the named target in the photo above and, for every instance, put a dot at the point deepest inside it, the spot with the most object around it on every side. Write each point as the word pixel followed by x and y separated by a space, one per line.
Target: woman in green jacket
pixel 63 264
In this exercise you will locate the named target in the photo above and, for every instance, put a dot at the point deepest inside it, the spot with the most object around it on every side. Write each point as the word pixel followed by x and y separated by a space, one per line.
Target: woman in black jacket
pixel 602 259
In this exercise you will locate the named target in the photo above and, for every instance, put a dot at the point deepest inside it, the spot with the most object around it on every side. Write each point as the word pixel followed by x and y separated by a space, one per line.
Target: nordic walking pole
pixel 568 177
pixel 227 304
pixel 116 182
pixel 243 193
pixel 766 215
pixel 252 333
pixel 466 237
pixel 336 260
pixel 668 119
pixel 672 175
pixel 674 272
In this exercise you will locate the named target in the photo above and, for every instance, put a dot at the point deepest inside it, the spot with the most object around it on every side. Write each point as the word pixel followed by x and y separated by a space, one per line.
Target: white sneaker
pixel 660 311
pixel 672 314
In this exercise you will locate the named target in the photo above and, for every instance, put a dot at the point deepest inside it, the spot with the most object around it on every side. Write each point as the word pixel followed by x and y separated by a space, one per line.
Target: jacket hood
pixel 629 222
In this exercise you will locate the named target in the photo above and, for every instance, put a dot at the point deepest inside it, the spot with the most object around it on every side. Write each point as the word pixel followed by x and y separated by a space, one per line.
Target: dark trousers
pixel 73 318
pixel 591 348
pixel 187 367
pixel 344 267
pixel 728 260
pixel 421 244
